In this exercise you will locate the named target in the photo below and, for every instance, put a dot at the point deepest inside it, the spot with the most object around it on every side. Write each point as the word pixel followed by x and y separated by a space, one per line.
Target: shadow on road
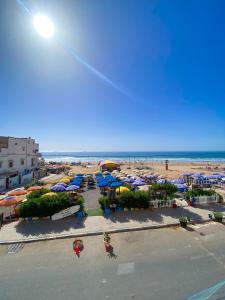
pixel 34 228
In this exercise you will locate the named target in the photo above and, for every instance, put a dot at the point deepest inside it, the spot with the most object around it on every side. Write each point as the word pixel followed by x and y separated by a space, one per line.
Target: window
pixel 22 161
pixel 10 163
pixel 23 148
pixel 32 162
pixel 15 144
pixel 0 164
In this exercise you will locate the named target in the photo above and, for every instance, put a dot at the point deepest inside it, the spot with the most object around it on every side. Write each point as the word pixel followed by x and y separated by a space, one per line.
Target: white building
pixel 19 161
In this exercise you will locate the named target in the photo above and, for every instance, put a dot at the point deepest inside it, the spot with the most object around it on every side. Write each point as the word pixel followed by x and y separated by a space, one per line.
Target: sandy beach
pixel 174 171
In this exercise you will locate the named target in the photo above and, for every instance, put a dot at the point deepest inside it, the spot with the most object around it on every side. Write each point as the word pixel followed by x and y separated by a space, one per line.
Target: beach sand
pixel 174 171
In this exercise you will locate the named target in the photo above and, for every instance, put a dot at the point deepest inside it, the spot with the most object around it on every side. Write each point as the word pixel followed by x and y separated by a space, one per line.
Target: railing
pixel 163 203
pixel 205 199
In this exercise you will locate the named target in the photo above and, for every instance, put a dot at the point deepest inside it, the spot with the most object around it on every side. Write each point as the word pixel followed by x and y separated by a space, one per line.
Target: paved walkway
pixel 132 220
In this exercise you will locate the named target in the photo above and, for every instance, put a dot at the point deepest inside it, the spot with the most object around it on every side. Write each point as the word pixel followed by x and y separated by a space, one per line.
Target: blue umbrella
pixel 116 184
pixel 102 184
pixel 162 181
pixel 181 188
pixel 75 183
pixel 138 182
pixel 151 176
pixel 61 183
pixel 72 188
pixel 178 181
pixel 58 188
pixel 128 180
pixel 186 174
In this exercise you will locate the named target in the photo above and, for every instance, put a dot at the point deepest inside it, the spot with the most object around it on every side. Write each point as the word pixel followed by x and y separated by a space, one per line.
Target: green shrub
pixel 141 199
pixel 218 215
pixel 44 206
pixel 183 219
pixel 162 191
pixel 79 200
pixel 103 202
pixel 198 192
pixel 126 199
pixel 37 194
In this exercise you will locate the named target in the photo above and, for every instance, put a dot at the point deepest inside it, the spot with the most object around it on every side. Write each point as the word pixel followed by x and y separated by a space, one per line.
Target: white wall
pixel 18 149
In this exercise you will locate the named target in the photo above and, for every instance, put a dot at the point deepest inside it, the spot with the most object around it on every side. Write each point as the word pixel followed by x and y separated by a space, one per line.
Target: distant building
pixel 19 161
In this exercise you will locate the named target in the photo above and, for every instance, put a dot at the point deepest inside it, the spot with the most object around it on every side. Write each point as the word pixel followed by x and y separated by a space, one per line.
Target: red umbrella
pixel 9 201
pixel 34 188
pixel 17 193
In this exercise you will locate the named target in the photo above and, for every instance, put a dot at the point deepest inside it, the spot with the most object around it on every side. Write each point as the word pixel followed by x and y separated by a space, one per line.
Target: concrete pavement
pixel 163 264
pixel 118 222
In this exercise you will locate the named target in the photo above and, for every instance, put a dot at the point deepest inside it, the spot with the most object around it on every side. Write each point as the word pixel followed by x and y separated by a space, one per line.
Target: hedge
pixel 198 192
pixel 37 194
pixel 162 191
pixel 46 205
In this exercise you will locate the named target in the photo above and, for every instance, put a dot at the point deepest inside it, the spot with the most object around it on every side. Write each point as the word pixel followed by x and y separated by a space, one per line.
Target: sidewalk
pixel 125 221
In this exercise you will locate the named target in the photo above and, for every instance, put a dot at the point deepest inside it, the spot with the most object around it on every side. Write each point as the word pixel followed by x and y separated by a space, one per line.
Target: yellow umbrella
pixel 65 179
pixel 122 189
pixel 108 163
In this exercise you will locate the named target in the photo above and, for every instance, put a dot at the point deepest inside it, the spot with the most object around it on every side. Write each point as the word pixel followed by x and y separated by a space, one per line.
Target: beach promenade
pixel 25 231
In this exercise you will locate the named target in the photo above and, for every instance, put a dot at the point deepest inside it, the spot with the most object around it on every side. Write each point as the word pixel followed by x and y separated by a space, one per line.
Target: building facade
pixel 19 161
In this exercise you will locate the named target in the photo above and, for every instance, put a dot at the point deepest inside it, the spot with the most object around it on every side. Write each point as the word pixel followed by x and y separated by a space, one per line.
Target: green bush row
pixel 46 205
pixel 198 192
pixel 141 199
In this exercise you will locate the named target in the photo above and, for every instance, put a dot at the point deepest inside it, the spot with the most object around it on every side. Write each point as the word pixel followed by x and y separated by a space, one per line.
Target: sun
pixel 43 25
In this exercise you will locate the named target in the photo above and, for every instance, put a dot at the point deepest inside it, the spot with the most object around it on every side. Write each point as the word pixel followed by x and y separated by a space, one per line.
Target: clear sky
pixel 168 57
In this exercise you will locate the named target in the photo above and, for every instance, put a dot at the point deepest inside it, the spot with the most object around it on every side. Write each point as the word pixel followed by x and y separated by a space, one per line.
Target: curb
pixel 99 232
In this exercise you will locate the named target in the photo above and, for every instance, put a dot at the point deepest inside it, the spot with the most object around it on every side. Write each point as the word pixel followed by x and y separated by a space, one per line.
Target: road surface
pixel 151 264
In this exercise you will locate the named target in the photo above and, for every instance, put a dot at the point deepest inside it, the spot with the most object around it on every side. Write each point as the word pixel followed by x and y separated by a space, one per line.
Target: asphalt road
pixel 152 264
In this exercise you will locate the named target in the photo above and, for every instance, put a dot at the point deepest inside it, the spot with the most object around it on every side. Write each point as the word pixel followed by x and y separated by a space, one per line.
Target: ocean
pixel 144 156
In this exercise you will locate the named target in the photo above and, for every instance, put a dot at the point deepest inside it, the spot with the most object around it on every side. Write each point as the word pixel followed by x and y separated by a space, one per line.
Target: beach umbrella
pixel 108 164
pixel 186 174
pixel 181 187
pixel 72 188
pixel 128 180
pixel 138 182
pixel 102 184
pixel 122 189
pixel 61 183
pixel 143 188
pixel 162 181
pixel 178 181
pixel 58 188
pixel 10 200
pixel 116 184
pixel 17 192
pixel 34 188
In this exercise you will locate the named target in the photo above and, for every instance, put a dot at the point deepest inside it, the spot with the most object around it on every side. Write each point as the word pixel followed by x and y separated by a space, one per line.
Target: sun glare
pixel 43 25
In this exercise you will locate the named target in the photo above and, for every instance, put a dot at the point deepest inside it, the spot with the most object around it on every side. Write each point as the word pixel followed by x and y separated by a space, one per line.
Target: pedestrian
pixel 77 247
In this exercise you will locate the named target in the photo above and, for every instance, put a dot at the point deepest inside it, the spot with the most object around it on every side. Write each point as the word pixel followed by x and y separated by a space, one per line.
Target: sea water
pixel 186 156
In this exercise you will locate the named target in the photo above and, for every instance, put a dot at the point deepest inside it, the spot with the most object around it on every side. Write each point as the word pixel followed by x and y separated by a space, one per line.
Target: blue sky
pixel 168 57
